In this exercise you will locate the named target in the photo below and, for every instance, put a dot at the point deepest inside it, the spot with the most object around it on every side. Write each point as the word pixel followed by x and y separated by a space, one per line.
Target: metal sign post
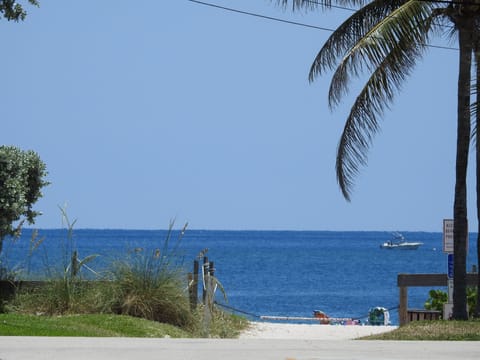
pixel 450 266
pixel 448 248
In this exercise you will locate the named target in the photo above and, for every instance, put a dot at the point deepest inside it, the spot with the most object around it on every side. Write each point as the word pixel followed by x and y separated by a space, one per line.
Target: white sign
pixel 448 236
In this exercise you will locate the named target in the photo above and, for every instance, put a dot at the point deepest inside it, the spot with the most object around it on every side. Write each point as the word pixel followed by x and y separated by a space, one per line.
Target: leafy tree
pixel 385 40
pixel 22 176
pixel 12 10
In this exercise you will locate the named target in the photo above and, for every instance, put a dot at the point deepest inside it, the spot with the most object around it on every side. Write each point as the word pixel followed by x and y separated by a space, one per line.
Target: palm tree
pixel 385 39
pixel 460 227
pixel 476 113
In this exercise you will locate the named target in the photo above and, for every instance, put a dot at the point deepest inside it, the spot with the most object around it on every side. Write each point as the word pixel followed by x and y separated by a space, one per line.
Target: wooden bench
pixel 422 314
pixel 404 281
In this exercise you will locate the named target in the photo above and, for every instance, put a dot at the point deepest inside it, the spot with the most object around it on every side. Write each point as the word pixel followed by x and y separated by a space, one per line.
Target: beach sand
pixel 266 330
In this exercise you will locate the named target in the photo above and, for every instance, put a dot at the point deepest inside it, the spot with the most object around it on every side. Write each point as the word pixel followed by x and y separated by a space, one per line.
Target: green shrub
pixel 60 297
pixel 436 300
pixel 438 297
pixel 221 324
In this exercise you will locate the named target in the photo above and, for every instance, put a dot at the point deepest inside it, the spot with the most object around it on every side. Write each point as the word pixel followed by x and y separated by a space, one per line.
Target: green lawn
pixel 101 325
pixel 434 330
pixel 85 325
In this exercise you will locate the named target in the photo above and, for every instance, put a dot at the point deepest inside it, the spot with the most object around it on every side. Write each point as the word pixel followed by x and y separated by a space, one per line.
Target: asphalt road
pixel 54 348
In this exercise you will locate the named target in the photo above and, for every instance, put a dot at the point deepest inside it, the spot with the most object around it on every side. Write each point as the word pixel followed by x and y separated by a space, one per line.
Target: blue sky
pixel 171 109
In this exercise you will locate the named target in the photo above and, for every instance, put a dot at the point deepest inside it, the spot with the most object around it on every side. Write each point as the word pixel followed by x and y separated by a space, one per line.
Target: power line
pixel 261 16
pixel 293 22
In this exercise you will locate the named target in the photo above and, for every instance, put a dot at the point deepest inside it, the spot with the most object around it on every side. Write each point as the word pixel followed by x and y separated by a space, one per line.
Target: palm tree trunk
pixel 477 159
pixel 460 230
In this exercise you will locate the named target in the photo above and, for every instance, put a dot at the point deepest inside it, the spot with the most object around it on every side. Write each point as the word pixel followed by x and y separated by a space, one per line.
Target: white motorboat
pixel 400 243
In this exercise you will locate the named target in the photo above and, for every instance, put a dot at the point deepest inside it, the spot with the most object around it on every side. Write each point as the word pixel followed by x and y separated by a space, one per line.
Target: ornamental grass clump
pixel 151 285
pixel 65 290
pixel 143 288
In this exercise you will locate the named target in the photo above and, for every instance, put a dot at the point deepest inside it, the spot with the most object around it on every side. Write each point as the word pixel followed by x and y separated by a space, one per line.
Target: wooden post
pixel 195 283
pixel 402 310
pixel 190 291
pixel 211 285
pixel 193 286
pixel 211 268
pixel 74 269
pixel 206 274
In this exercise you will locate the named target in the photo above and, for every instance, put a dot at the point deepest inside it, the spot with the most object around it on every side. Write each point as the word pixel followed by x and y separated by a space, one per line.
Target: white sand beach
pixel 267 330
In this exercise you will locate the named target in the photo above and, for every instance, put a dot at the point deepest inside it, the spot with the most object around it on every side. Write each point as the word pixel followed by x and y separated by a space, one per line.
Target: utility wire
pixel 261 16
pixel 292 22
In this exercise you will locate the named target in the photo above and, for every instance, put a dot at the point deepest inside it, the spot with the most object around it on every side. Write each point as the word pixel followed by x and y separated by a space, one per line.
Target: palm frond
pixel 363 121
pixel 322 4
pixel 349 33
pixel 381 40
pixel 304 4
pixel 409 24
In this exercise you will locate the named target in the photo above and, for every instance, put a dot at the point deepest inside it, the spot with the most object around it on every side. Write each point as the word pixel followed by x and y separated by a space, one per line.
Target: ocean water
pixel 273 273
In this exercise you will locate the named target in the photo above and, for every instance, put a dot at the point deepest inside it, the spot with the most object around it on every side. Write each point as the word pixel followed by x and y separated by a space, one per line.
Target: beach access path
pixel 266 344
